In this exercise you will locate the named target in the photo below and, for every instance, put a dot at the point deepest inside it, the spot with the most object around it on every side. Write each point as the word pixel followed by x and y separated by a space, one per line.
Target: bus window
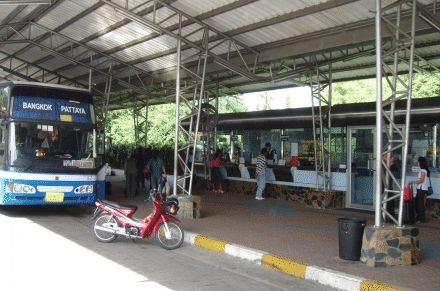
pixel 35 146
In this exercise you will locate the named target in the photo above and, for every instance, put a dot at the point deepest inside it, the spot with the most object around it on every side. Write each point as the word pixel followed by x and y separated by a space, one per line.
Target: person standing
pixel 270 153
pixel 260 174
pixel 422 189
pixel 216 175
pixel 130 171
pixel 140 165
pixel 156 168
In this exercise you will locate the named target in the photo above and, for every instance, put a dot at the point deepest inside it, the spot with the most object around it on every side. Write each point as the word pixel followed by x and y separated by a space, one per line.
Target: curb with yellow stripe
pixel 294 268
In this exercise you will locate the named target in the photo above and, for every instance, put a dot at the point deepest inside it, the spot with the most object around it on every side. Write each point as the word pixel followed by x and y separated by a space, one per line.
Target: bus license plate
pixel 54 197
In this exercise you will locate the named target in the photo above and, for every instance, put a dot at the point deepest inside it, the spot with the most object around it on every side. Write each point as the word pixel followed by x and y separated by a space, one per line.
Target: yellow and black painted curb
pixel 289 266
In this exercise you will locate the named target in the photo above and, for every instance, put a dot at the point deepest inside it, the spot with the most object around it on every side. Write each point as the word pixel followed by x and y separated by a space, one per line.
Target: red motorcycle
pixel 114 219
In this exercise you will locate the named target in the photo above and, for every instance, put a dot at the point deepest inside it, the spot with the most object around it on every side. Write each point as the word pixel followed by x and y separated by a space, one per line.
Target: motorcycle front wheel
pixel 103 227
pixel 171 240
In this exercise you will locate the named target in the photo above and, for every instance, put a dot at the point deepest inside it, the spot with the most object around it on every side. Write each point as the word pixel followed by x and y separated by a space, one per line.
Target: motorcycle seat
pixel 118 205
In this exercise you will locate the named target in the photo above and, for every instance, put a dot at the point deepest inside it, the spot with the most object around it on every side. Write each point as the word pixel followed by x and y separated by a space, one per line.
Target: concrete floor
pixel 294 231
pixel 53 248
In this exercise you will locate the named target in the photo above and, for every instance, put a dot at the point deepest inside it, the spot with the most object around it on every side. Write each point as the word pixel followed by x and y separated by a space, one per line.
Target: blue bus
pixel 48 150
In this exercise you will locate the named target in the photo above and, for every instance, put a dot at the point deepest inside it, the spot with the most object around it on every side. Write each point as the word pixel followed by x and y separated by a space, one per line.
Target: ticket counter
pixel 242 135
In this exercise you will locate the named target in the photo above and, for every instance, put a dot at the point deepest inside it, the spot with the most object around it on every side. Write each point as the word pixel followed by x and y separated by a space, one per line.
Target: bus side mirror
pixel 103 145
pixel 100 145
pixel 108 144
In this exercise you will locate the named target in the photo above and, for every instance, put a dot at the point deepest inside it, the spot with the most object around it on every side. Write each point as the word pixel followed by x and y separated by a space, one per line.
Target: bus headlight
pixel 84 189
pixel 20 188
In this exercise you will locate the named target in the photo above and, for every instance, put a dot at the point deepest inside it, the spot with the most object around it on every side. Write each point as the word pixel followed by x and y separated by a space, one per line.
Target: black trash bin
pixel 351 230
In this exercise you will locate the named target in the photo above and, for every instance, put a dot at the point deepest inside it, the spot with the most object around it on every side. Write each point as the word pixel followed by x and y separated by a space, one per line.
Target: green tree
pixel 120 124
pixel 424 85
pixel 354 91
pixel 231 103
pixel 266 99
pixel 161 119
pixel 120 127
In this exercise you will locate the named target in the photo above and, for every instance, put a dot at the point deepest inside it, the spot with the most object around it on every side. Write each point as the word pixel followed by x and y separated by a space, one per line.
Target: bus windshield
pixel 34 146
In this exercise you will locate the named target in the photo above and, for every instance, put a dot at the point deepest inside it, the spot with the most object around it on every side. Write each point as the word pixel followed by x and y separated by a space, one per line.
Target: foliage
pixel 120 128
pixel 267 101
pixel 120 124
pixel 424 85
pixel 354 91
pixel 229 104
pixel 161 126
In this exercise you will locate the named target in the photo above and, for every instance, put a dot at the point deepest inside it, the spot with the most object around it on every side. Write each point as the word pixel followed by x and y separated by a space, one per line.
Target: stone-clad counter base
pixel 189 207
pixel 390 246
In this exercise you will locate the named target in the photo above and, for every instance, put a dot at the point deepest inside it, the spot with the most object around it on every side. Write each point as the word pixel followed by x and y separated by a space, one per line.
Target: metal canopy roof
pixel 253 44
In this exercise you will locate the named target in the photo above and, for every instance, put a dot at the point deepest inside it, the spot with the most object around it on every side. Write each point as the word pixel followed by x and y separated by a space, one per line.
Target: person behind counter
pixel 422 188
pixel 269 151
pixel 216 175
pixel 260 173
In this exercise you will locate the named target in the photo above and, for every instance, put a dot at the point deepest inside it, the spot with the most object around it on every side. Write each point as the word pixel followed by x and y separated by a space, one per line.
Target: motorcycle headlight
pixel 20 188
pixel 84 189
pixel 173 208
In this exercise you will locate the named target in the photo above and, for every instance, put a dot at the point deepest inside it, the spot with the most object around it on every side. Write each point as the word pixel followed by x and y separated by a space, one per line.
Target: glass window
pixel 237 142
pixel 50 147
pixel 224 144
pixel 420 144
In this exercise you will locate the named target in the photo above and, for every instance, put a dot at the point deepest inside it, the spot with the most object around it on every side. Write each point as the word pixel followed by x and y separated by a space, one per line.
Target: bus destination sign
pixel 51 109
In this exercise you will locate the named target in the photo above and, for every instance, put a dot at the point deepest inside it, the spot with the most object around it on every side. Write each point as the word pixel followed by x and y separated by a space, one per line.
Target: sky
pixel 299 97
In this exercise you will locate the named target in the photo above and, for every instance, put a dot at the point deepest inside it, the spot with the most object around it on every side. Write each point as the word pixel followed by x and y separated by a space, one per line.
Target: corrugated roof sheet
pixel 138 44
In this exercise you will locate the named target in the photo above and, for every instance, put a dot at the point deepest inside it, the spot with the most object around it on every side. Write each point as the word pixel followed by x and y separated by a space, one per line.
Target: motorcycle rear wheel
pixel 106 221
pixel 176 235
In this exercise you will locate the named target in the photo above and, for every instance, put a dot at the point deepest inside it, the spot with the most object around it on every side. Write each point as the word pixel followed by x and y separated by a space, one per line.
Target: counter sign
pixel 284 137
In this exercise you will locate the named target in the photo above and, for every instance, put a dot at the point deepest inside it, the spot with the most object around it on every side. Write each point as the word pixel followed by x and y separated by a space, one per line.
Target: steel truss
pixel 26 2
pixel 140 118
pixel 208 128
pixel 31 72
pixel 188 110
pixel 193 36
pixel 192 45
pixel 77 53
pixel 388 187
pixel 321 93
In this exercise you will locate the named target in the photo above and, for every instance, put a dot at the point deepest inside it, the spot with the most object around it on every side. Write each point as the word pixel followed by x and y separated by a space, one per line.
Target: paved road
pixel 53 248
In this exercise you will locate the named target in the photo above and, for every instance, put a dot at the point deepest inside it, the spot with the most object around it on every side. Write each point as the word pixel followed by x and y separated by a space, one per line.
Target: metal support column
pixel 208 128
pixel 321 89
pixel 399 51
pixel 188 104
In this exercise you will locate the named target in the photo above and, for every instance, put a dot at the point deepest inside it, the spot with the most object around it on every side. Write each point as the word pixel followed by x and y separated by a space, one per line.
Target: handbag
pixel 407 193
pixel 430 190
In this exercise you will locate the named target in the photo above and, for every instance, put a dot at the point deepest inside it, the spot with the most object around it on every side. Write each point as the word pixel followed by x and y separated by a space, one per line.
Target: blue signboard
pixel 51 109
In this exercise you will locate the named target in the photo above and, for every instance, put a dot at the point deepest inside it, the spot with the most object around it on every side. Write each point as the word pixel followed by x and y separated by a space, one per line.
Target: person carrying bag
pixel 422 189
